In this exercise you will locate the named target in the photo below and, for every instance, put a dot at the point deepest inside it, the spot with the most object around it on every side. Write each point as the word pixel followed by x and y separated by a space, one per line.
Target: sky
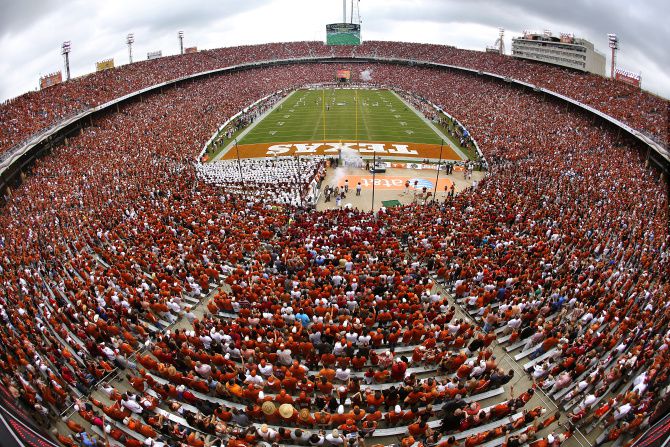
pixel 32 31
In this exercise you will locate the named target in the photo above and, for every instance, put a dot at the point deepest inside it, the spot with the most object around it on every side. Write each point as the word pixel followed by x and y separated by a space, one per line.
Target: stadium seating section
pixel 35 111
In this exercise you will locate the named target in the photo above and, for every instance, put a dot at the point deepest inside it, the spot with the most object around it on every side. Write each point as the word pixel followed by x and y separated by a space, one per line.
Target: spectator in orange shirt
pixel 463 371
pixel 327 373
pixel 394 416
pixel 234 389
pixel 289 383
pixel 375 400
pixel 325 386
pixel 283 398
pixel 381 376
pixel 358 362
pixel 348 427
pixel 322 418
pixel 418 429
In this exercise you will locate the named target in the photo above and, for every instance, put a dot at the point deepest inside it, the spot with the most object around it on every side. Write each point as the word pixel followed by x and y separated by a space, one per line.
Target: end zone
pixel 388 150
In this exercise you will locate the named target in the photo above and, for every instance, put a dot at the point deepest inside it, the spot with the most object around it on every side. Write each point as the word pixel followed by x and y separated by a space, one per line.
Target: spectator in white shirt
pixel 132 405
pixel 265 368
pixel 206 341
pixel 334 438
pixel 343 374
pixel 284 356
pixel 338 349
pixel 267 434
pixel 203 369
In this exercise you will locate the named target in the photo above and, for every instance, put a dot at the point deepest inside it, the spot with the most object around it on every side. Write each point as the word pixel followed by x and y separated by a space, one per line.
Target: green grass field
pixel 346 114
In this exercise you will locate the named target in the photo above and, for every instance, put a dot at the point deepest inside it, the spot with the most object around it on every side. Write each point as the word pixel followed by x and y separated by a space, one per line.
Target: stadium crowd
pixel 335 317
pixel 36 111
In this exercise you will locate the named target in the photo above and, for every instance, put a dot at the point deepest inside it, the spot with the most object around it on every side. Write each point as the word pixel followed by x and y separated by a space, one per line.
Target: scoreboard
pixel 343 75
pixel 343 34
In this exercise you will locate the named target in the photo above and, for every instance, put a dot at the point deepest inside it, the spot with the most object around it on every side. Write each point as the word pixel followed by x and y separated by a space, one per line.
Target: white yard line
pixel 432 126
pixel 252 125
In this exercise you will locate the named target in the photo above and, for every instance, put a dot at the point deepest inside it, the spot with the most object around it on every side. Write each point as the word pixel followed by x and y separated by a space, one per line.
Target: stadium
pixel 329 244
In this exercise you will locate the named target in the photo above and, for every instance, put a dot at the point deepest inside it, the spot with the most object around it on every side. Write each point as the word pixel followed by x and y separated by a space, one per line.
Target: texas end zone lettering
pixel 334 148
pixel 391 183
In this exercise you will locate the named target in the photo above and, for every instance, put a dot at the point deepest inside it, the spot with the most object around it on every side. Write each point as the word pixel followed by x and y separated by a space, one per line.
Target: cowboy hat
pixel 286 410
pixel 268 408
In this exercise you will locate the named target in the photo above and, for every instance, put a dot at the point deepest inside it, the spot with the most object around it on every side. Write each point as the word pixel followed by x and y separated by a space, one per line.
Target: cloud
pixel 18 14
pixel 32 31
pixel 640 26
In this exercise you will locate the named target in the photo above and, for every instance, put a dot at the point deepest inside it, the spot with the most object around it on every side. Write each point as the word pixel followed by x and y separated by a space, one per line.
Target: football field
pixel 326 121
pixel 342 115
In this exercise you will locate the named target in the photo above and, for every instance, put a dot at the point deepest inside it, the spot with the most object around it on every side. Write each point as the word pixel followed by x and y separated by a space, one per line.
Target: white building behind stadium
pixel 566 51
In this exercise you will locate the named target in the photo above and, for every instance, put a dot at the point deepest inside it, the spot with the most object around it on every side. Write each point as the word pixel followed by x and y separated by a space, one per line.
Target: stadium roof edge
pixel 8 159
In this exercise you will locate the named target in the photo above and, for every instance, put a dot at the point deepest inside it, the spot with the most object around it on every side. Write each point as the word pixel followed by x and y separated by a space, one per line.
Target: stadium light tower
pixel 130 39
pixel 65 51
pixel 180 35
pixel 344 11
pixel 614 45
pixel 501 40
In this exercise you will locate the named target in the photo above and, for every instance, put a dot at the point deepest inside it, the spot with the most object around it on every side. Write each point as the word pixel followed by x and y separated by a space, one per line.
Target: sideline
pixel 432 126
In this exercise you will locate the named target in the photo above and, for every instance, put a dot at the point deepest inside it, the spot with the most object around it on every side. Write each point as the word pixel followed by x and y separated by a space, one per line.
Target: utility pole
pixel 180 35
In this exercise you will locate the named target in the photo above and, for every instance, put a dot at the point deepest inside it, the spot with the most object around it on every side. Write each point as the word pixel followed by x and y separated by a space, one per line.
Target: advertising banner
pixel 51 79
pixel 104 65
pixel 628 77
pixel 154 54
